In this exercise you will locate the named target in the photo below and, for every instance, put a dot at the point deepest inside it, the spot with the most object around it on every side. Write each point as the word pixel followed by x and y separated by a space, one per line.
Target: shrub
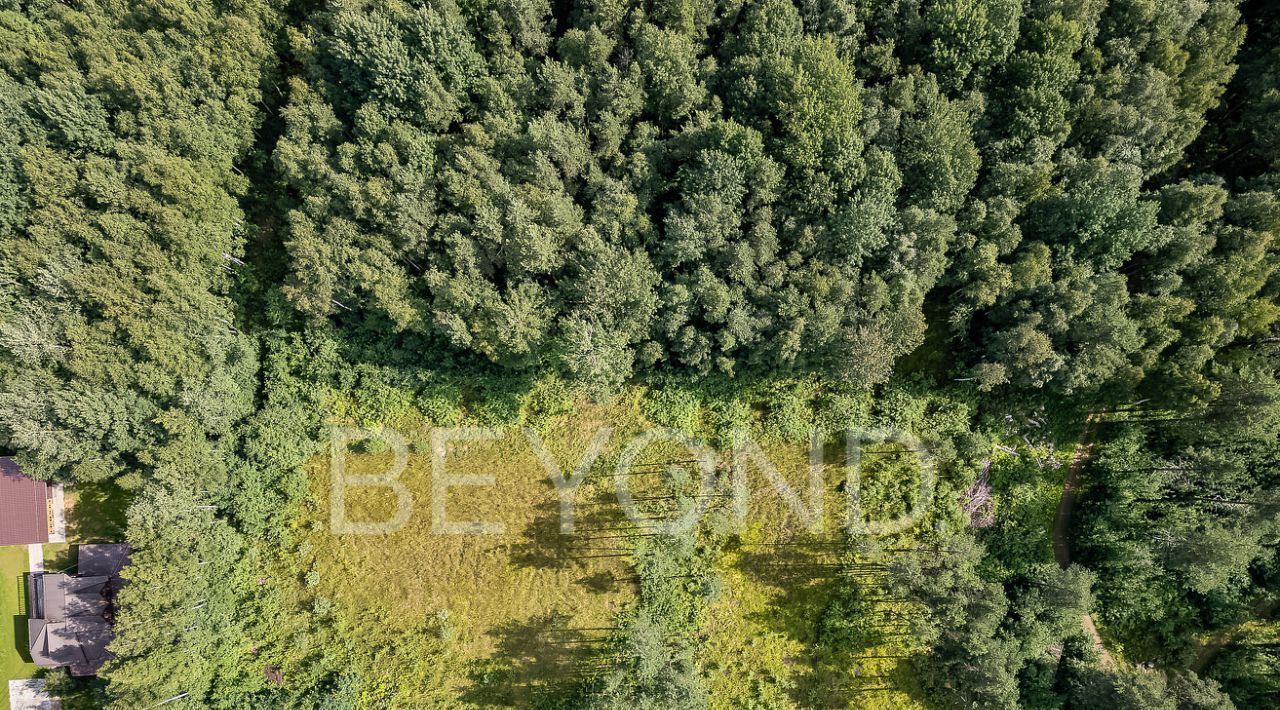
pixel 549 398
pixel 440 402
pixel 725 415
pixel 788 413
pixel 900 409
pixel 375 400
pixel 500 401
pixel 946 415
pixel 670 405
pixel 839 410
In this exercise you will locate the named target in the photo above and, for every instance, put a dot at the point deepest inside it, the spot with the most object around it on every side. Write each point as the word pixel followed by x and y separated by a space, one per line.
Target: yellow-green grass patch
pixel 762 645
pixel 526 612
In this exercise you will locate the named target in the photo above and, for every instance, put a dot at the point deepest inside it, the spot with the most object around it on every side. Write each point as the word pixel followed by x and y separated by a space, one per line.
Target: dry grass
pixel 528 610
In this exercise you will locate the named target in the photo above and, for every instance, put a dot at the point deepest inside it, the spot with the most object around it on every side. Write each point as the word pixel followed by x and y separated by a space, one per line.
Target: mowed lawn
pixel 13 632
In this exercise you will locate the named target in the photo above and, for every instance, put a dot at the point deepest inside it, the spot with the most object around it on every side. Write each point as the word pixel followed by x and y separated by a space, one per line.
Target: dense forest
pixel 226 223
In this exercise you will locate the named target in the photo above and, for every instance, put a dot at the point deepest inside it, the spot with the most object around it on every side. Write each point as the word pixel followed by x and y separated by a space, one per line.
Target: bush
pixel 440 402
pixel 549 398
pixel 500 401
pixel 789 414
pixel 946 415
pixel 840 410
pixel 848 622
pixel 375 400
pixel 889 487
pixel 670 405
pixel 372 445
pixel 725 415
pixel 900 409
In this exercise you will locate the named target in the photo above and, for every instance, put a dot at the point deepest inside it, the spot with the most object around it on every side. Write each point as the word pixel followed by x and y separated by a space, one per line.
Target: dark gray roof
pixel 101 560
pixel 79 643
pixel 70 615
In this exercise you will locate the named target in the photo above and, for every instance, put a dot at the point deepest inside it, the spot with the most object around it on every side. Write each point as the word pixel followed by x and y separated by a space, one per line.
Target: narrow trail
pixel 1062 524
pixel 1224 637
pixel 1062 553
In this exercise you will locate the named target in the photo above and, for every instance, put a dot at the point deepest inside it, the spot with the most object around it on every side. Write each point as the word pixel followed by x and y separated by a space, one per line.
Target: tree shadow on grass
pixel 810 582
pixel 542 545
pixel 539 662
pixel 598 534
pixel 60 557
pixel 600 582
pixel 800 576
pixel 98 513
pixel 21 641
pixel 830 598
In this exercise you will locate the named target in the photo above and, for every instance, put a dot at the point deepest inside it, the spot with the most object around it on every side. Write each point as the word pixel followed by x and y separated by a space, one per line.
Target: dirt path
pixel 1222 638
pixel 1062 553
pixel 1062 524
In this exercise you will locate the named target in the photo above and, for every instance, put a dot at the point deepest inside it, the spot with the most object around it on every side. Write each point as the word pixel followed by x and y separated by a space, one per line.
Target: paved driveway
pixel 30 695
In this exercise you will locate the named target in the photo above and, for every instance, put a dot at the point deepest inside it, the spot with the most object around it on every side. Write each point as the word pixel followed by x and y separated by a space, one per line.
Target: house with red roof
pixel 30 510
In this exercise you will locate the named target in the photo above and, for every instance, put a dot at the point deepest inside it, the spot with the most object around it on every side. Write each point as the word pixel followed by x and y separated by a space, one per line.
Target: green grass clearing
pixel 518 618
pixel 14 662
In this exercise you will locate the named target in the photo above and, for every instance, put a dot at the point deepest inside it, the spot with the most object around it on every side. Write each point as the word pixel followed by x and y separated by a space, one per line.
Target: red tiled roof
pixel 24 512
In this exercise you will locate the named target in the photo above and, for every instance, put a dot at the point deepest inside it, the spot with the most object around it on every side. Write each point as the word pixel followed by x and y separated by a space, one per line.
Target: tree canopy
pixel 220 218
